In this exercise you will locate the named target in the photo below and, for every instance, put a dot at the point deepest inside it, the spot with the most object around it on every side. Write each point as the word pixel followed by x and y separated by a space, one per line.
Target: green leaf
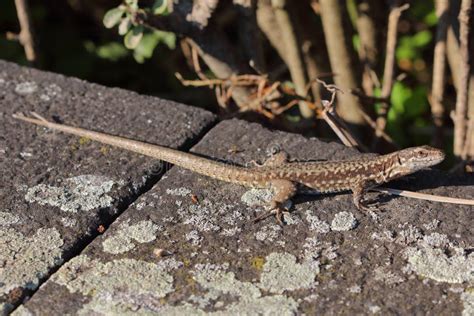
pixel 405 49
pixel 146 47
pixel 133 4
pixel 111 51
pixel 149 42
pixel 167 38
pixel 422 38
pixel 160 7
pixel 125 25
pixel 112 17
pixel 133 37
pixel 356 42
pixel 431 19
pixel 417 103
pixel 400 94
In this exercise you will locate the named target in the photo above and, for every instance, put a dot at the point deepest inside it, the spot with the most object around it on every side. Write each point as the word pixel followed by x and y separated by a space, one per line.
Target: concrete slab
pixel 189 247
pixel 57 192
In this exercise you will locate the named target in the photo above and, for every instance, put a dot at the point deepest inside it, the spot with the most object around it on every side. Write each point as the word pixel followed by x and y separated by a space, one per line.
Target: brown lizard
pixel 283 177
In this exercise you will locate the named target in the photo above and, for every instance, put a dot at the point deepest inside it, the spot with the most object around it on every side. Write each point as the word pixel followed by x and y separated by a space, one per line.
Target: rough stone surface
pixel 56 190
pixel 208 257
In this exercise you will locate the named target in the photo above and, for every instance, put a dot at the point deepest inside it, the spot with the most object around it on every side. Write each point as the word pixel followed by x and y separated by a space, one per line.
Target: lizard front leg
pixel 283 191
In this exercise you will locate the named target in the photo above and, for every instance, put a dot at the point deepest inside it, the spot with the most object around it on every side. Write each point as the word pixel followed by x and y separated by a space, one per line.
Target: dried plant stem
pixel 389 68
pixel 338 126
pixel 424 196
pixel 460 116
pixel 293 52
pixel 26 34
pixel 439 65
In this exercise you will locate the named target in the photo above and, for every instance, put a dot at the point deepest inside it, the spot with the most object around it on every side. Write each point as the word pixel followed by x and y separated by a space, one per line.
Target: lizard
pixel 284 177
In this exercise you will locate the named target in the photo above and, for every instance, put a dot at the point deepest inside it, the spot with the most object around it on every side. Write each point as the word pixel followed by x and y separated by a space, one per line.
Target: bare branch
pixel 340 60
pixel 26 34
pixel 460 116
pixel 368 52
pixel 439 65
pixel 389 67
pixel 294 56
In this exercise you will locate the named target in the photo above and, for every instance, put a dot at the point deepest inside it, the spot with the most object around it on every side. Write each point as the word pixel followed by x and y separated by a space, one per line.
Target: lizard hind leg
pixel 277 159
pixel 358 193
pixel 283 191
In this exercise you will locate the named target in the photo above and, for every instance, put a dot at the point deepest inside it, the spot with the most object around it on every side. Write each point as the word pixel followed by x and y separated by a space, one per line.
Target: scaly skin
pixel 356 175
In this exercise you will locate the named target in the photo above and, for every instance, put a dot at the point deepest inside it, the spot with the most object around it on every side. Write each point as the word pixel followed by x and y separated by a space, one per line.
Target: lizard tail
pixel 201 165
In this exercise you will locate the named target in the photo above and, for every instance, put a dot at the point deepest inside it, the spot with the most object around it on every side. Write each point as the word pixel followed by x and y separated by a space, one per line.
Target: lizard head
pixel 412 159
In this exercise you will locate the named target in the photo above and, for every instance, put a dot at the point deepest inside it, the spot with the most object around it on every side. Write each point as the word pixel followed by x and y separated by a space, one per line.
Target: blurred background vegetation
pixel 71 39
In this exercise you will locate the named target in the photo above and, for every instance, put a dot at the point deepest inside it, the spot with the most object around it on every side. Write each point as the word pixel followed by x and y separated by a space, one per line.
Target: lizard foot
pixel 362 206
pixel 277 211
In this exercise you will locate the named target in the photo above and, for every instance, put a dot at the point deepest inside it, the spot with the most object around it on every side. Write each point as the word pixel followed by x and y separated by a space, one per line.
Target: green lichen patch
pixel 268 305
pixel 282 273
pixel 25 260
pixel 257 197
pixel 344 221
pixel 316 224
pixel 81 193
pixel 120 280
pixel 214 277
pixel 7 219
pixel 468 302
pixel 122 240
pixel 433 263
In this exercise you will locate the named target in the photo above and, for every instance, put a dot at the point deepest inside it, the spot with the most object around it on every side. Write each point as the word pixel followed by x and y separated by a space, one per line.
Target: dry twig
pixel 424 196
pixel 332 119
pixel 263 101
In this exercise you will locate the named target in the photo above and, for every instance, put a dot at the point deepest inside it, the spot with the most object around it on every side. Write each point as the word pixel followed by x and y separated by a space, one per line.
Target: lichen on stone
pixel 120 280
pixel 344 221
pixel 435 264
pixel 7 218
pixel 81 193
pixel 467 299
pixel 214 277
pixel 316 224
pixel 25 260
pixel 123 239
pixel 25 88
pixel 179 192
pixel 257 197
pixel 282 273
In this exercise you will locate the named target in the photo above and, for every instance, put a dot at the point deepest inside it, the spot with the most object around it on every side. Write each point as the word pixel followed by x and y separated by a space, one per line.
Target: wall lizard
pixel 285 178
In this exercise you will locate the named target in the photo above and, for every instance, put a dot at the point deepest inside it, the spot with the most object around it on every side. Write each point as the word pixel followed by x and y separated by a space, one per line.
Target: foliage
pixel 136 38
pixel 136 57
